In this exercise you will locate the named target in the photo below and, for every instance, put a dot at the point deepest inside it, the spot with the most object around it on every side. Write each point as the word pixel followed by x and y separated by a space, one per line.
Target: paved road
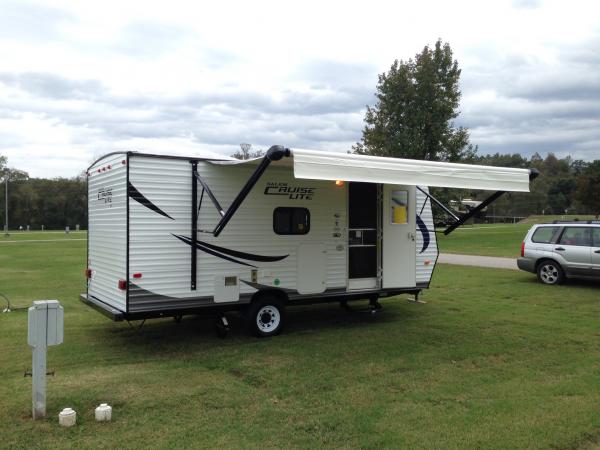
pixel 479 261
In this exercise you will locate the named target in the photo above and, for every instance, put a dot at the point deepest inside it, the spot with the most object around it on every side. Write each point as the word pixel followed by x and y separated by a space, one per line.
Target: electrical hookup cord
pixel 8 308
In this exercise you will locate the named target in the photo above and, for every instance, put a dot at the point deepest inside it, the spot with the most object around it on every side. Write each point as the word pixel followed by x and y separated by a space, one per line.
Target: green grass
pixel 546 219
pixel 494 239
pixel 488 240
pixel 493 360
pixel 41 235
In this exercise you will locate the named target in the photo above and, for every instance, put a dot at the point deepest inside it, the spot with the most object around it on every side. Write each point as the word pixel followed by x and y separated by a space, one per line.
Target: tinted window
pixel 543 235
pixel 596 233
pixel 576 236
pixel 291 220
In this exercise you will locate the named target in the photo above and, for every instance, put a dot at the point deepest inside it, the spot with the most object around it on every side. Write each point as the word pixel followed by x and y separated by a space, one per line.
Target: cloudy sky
pixel 78 79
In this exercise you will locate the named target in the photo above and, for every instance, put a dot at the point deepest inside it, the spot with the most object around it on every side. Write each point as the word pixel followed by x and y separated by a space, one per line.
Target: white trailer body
pixel 175 235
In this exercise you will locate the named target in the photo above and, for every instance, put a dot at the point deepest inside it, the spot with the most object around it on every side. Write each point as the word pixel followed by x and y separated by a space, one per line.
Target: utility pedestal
pixel 45 328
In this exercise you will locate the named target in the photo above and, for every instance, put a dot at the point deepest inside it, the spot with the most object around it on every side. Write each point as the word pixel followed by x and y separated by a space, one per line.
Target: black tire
pixel 550 272
pixel 266 316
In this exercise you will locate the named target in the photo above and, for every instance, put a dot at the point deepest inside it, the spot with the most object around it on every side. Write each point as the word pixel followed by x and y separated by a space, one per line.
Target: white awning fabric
pixel 315 165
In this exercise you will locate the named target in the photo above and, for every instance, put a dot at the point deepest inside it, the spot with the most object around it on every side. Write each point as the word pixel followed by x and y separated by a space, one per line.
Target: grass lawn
pixel 488 240
pixel 494 239
pixel 493 360
pixel 545 219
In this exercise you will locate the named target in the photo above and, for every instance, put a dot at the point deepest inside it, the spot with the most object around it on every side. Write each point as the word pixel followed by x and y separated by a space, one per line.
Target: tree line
pixel 565 186
pixel 36 202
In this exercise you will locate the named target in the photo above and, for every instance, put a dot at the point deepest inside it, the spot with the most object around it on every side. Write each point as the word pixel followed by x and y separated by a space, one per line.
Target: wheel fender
pixel 546 259
pixel 278 293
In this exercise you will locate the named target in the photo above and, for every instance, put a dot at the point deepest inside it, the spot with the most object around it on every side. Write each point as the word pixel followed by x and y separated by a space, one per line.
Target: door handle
pixel 597 251
pixel 560 249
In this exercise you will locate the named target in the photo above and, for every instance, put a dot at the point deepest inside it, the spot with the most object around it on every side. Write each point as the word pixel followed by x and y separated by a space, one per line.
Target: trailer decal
pixel 425 232
pixel 226 253
pixel 292 192
pixel 141 199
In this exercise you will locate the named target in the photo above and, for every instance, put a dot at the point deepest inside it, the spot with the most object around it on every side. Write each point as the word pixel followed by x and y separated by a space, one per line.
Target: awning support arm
pixel 194 224
pixel 208 191
pixel 533 174
pixel 275 153
pixel 473 212
pixel 440 204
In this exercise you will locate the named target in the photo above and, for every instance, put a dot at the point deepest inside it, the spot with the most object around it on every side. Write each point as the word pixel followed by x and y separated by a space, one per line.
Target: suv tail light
pixel 522 249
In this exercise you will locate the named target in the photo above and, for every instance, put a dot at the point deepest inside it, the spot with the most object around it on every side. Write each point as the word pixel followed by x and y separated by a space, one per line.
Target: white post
pixel 38 384
pixel 6 203
pixel 45 327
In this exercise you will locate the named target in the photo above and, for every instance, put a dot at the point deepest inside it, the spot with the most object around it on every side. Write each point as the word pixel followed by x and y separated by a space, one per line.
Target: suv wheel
pixel 550 272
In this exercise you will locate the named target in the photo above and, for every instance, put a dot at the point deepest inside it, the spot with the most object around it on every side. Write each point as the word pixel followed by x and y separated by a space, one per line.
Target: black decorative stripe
pixel 258 286
pixel 425 232
pixel 199 246
pixel 248 256
pixel 139 197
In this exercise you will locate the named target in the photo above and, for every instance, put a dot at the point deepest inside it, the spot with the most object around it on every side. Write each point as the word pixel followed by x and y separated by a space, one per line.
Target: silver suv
pixel 562 249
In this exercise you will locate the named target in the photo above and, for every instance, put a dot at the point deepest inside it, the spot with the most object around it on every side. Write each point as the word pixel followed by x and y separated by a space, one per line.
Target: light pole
pixel 6 176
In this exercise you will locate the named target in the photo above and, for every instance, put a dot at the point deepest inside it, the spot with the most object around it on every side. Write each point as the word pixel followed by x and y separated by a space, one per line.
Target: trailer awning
pixel 317 165
pixel 373 169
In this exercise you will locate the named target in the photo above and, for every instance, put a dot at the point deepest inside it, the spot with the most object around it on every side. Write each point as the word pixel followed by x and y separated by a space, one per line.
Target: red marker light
pixel 88 273
pixel 137 275
pixel 122 285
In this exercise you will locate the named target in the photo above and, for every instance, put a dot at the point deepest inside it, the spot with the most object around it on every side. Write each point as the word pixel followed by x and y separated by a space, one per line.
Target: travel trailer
pixel 170 235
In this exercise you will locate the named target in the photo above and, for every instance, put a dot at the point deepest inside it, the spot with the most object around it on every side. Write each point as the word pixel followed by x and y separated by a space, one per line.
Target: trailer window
pixel 291 220
pixel 399 207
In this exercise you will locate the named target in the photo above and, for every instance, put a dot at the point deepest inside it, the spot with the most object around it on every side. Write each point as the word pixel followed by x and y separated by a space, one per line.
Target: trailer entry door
pixel 398 244
pixel 362 236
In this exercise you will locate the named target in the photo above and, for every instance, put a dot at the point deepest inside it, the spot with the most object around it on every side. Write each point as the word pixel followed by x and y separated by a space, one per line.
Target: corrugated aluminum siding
pixel 424 270
pixel 165 262
pixel 107 235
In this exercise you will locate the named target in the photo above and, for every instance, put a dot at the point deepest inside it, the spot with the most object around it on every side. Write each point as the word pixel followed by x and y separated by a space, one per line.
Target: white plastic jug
pixel 103 413
pixel 67 417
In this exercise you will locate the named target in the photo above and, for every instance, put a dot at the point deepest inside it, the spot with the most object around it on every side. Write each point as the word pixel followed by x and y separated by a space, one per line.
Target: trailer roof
pixel 317 165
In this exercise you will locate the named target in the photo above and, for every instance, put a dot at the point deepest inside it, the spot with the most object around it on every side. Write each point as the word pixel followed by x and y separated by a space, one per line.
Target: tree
pixel 417 101
pixel 245 152
pixel 587 187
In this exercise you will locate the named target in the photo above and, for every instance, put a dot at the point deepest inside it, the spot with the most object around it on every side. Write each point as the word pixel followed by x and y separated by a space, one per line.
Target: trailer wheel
pixel 266 316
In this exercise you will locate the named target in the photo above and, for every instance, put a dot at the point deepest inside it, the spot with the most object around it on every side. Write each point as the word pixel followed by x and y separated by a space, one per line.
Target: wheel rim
pixel 549 273
pixel 268 319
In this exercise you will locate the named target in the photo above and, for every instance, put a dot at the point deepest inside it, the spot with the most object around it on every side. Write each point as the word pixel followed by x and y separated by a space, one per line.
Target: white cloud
pixel 78 78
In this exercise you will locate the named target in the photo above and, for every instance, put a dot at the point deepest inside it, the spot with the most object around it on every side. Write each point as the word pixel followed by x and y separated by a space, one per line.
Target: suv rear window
pixel 543 235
